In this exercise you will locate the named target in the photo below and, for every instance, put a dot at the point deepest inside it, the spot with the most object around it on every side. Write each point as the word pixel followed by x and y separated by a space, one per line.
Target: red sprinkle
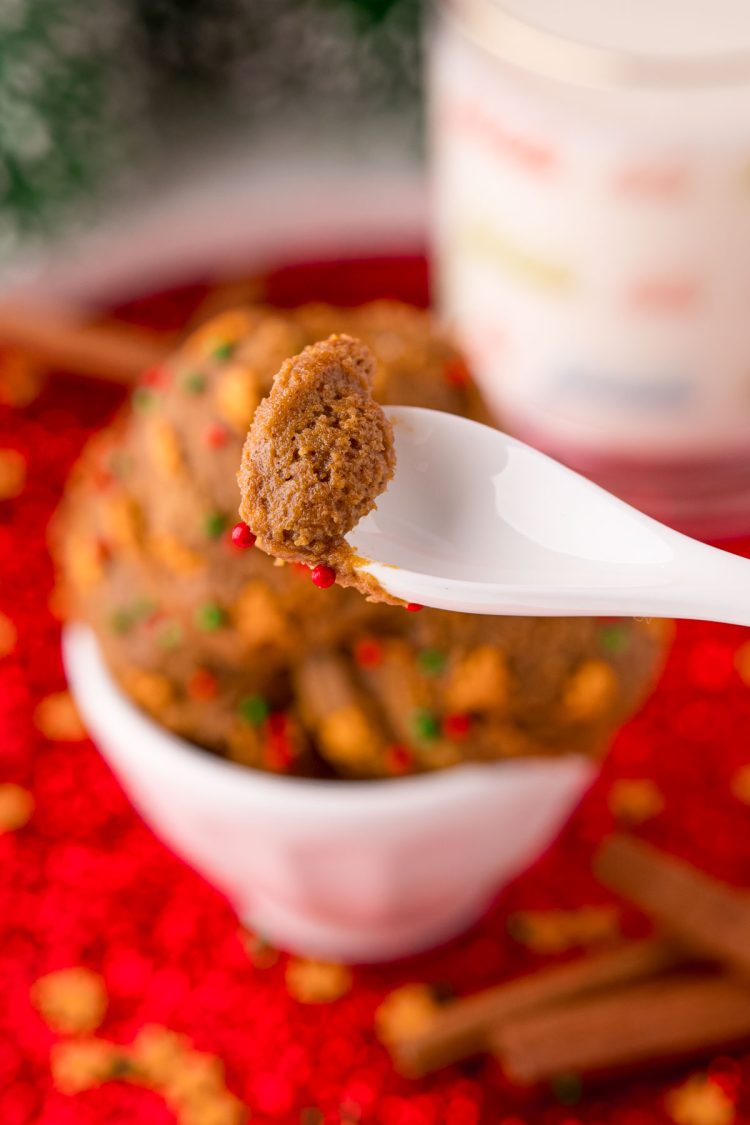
pixel 153 377
pixel 323 576
pixel 413 607
pixel 202 685
pixel 277 723
pixel 153 618
pixel 242 536
pixel 215 435
pixel 279 755
pixel 103 552
pixel 398 758
pixel 456 726
pixel 456 373
pixel 368 652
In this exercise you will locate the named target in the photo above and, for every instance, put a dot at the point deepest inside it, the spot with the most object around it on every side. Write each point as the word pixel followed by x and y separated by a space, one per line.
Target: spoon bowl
pixel 476 521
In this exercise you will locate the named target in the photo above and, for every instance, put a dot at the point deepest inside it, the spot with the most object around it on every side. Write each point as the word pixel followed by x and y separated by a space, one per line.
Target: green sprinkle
pixel 431 661
pixel 567 1088
pixel 613 638
pixel 210 617
pixel 214 525
pixel 144 399
pixel 170 635
pixel 121 621
pixel 142 608
pixel 194 382
pixel 223 349
pixel 425 724
pixel 254 709
pixel 126 617
pixel 121 1067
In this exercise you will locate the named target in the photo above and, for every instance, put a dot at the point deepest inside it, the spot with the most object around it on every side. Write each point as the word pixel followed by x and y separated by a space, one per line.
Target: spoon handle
pixel 701 583
pixel 698 583
pixel 707 584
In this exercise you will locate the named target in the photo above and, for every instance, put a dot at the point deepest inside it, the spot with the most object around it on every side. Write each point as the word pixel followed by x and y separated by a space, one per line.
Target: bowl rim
pixel 96 693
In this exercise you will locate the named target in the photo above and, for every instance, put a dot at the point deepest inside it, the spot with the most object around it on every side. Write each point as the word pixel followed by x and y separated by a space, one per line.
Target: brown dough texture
pixel 318 454
pixel 240 653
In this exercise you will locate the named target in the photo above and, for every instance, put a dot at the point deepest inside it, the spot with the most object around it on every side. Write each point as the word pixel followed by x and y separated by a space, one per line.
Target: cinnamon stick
pixel 118 353
pixel 464 1027
pixel 707 915
pixel 672 1018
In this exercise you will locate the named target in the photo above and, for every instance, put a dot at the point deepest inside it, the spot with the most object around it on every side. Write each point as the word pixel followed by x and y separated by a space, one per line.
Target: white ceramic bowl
pixel 345 870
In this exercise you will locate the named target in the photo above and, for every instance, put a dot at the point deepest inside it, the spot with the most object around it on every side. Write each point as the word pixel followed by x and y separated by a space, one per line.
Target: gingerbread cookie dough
pixel 318 454
pixel 239 653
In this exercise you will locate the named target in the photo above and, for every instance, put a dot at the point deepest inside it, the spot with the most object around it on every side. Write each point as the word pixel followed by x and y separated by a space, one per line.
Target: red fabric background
pixel 86 883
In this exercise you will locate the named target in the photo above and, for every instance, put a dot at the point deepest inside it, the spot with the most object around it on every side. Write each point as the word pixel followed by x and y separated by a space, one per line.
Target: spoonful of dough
pixel 455 514
pixel 318 454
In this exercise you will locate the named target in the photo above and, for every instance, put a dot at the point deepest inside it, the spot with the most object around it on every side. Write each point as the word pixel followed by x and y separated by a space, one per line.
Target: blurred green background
pixel 96 94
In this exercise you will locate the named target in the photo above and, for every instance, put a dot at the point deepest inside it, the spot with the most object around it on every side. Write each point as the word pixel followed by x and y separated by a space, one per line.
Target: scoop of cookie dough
pixel 318 454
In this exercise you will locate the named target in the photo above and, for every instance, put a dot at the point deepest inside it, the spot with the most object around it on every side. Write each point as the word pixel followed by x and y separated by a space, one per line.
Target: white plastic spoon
pixel 477 522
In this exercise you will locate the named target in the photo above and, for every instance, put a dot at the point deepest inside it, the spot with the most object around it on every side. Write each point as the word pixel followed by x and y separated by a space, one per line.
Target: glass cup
pixel 591 179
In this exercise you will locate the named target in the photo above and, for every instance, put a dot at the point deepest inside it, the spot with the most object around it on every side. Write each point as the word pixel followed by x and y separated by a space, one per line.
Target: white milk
pixel 591 164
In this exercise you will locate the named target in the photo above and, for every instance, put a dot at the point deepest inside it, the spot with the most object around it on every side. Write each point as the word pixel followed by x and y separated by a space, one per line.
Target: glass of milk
pixel 591 177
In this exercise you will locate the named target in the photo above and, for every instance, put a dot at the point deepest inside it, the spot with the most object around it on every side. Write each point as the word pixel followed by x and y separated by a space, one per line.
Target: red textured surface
pixel 86 883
